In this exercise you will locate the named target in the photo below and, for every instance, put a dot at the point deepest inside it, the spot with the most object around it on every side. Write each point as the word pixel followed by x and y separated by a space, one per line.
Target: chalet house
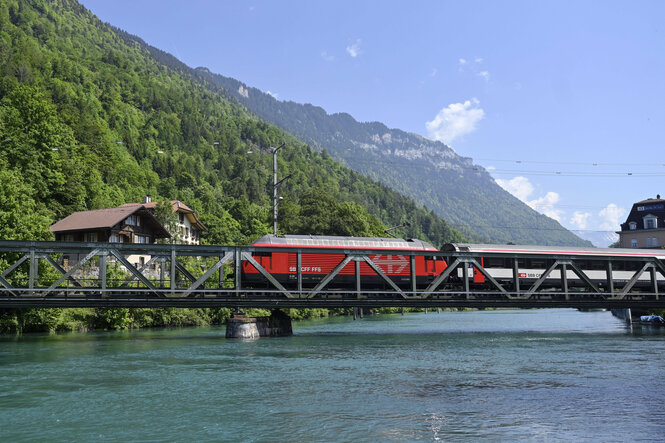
pixel 645 225
pixel 133 224
pixel 188 228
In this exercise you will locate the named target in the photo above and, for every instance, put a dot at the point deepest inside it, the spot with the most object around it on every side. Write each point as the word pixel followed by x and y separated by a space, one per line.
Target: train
pixel 329 251
pixel 533 261
pixel 428 262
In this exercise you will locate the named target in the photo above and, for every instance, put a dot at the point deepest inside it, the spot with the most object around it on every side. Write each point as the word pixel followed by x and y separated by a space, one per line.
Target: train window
pixel 632 265
pixel 595 265
pixel 262 254
pixel 537 263
pixel 494 262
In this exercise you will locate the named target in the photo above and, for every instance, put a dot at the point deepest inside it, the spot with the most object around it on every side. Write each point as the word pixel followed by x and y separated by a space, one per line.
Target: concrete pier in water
pixel 624 314
pixel 242 326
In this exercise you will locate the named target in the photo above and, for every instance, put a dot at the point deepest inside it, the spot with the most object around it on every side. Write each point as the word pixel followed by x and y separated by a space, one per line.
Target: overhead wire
pixel 490 170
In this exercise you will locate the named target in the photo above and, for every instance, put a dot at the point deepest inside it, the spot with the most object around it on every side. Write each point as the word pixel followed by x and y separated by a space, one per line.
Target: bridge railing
pixel 72 274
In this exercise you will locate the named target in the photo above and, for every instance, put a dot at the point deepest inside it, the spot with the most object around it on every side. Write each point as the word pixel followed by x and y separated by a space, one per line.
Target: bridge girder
pixel 36 274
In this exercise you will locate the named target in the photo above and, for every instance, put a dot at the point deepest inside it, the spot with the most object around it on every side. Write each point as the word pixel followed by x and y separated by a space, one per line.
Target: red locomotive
pixel 316 265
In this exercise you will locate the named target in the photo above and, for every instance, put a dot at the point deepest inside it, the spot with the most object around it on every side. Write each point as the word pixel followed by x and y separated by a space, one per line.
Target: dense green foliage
pixel 91 118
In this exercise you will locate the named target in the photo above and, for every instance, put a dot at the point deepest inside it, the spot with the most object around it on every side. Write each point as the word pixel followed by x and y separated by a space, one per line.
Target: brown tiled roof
pixel 104 219
pixel 95 219
pixel 152 205
pixel 177 206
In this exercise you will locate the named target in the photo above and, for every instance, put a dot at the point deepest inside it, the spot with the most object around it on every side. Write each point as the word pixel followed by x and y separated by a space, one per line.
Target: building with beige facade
pixel 645 226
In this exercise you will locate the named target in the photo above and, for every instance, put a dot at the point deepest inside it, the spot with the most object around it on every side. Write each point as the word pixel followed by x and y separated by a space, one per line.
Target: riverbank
pixel 55 320
pixel 52 320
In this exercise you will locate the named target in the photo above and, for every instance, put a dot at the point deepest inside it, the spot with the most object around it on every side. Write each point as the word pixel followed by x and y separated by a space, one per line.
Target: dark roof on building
pixel 650 206
pixel 106 219
pixel 651 200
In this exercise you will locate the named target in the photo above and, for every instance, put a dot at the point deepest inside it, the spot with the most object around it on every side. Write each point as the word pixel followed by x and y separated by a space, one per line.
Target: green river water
pixel 532 375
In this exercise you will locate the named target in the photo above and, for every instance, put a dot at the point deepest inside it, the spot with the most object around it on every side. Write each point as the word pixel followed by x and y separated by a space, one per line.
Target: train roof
pixel 328 241
pixel 564 250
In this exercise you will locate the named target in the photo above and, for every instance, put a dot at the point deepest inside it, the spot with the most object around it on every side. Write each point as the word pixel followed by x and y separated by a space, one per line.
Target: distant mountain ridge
pixel 430 172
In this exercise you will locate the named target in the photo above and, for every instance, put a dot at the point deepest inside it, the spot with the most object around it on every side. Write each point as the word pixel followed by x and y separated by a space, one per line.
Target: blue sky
pixel 564 101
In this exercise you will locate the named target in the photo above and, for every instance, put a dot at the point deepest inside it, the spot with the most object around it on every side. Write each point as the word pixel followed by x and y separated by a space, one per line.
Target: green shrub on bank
pixel 52 320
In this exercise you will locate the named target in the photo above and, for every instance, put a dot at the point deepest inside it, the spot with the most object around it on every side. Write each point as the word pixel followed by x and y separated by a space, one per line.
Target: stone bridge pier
pixel 241 326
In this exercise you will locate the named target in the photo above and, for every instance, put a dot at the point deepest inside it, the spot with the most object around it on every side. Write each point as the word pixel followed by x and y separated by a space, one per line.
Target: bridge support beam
pixel 624 314
pixel 242 326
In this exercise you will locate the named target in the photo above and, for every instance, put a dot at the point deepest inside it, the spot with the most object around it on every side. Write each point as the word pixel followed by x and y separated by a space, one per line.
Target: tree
pixel 322 214
pixel 165 215
pixel 20 216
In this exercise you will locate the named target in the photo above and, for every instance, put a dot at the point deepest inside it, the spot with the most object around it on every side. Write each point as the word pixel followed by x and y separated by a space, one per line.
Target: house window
pixel 650 222
pixel 141 239
pixel 632 226
pixel 633 243
pixel 68 237
pixel 133 220
pixel 181 217
pixel 113 238
pixel 652 242
pixel 91 236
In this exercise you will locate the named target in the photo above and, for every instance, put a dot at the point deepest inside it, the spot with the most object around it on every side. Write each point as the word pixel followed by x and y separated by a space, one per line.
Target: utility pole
pixel 275 185
pixel 274 189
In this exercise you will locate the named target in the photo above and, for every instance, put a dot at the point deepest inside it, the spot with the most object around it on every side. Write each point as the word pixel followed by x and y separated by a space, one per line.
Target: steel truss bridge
pixel 57 274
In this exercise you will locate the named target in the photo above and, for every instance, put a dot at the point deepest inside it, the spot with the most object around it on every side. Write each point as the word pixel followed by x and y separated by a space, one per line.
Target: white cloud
pixel 520 187
pixel 272 94
pixel 454 121
pixel 580 219
pixel 354 49
pixel 490 168
pixel 612 216
pixel 433 72
pixel 545 205
pixel 474 67
pixel 327 57
pixel 243 91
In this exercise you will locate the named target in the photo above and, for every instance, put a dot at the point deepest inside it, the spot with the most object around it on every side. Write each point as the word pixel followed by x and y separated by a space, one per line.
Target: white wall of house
pixel 187 234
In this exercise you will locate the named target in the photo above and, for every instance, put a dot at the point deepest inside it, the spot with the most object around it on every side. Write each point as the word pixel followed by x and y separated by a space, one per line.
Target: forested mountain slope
pixel 429 172
pixel 91 118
